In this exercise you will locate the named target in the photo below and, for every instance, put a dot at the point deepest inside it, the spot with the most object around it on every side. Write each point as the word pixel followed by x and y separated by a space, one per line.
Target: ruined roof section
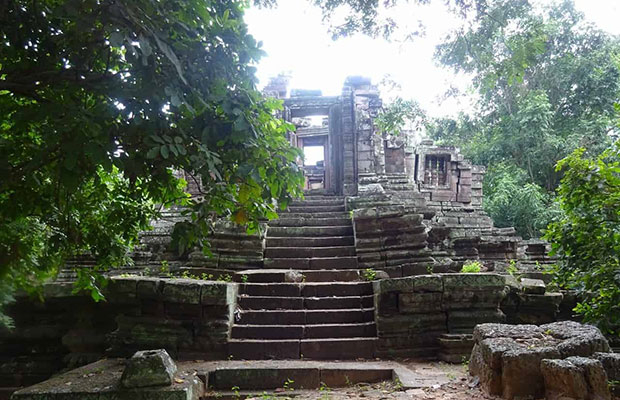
pixel 303 106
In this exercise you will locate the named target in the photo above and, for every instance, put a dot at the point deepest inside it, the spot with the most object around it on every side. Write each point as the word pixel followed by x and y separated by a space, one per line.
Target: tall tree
pixel 100 100
pixel 547 84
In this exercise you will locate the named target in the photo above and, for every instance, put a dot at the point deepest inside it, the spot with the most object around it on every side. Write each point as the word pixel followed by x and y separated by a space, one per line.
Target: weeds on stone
pixel 288 384
pixel 235 390
pixel 398 385
pixel 369 274
pixel 206 277
pixel 465 363
pixel 244 278
pixel 471 267
pixel 325 391
pixel 513 270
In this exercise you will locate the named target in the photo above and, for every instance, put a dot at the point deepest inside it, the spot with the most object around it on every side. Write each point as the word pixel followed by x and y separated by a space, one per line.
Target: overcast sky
pixel 297 41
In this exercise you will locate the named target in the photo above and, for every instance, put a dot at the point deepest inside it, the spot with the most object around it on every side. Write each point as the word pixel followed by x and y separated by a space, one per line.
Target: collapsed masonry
pixel 429 196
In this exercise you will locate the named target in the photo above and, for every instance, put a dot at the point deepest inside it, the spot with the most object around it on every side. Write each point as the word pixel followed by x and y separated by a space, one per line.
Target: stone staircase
pixel 310 301
pixel 312 234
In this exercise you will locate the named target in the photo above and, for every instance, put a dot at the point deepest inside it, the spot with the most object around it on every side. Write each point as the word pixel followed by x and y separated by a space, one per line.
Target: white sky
pixel 297 41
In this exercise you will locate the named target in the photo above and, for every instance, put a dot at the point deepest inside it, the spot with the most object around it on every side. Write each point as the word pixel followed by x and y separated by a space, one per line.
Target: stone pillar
pixel 349 162
pixel 361 101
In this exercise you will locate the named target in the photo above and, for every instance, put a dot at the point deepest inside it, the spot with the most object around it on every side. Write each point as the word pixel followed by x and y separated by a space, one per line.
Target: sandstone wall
pixel 391 239
pixel 189 318
pixel 413 312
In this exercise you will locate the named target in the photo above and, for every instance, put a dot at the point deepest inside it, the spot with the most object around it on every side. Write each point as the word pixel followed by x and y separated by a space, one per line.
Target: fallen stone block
pixel 149 368
pixel 575 378
pixel 533 286
pixel 507 358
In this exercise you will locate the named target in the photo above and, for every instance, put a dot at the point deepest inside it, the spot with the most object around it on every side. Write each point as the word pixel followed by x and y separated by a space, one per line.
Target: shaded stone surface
pixel 414 312
pixel 149 368
pixel 507 358
pixel 575 378
pixel 101 381
pixel 533 286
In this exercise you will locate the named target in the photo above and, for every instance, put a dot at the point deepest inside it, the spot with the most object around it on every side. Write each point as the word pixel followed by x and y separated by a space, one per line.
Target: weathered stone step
pixel 305 317
pixel 312 209
pixel 344 302
pixel 314 289
pixel 349 262
pixel 320 331
pixel 245 349
pixel 309 231
pixel 326 241
pixel 332 275
pixel 318 201
pixel 328 214
pixel 338 349
pixel 289 276
pixel 305 252
pixel 285 221
pixel 265 375
pixel 270 303
pixel 301 303
pixel 320 349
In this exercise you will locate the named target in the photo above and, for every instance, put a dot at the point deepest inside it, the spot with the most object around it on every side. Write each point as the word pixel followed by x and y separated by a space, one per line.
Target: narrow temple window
pixel 436 170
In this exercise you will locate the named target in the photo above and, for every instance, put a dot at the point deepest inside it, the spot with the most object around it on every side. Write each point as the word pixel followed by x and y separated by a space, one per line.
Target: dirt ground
pixel 451 391
pixel 451 383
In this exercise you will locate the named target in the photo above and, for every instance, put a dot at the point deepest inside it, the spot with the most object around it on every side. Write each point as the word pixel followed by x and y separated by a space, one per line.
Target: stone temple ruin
pixel 367 265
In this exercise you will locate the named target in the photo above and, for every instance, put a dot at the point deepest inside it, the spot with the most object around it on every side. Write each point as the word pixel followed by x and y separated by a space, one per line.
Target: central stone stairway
pixel 310 301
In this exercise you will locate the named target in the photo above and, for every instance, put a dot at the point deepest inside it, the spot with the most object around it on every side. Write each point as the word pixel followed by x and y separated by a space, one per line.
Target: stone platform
pixel 101 381
pixel 217 379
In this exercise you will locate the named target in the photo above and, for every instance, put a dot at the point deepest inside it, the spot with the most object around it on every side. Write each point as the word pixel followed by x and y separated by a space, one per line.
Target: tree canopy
pixel 547 83
pixel 101 101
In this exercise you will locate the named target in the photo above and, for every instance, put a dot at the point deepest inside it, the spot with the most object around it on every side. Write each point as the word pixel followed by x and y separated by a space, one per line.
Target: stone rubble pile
pixel 517 361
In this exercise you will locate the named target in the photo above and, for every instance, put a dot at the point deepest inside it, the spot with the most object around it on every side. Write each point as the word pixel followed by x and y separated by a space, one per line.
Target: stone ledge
pixel 101 381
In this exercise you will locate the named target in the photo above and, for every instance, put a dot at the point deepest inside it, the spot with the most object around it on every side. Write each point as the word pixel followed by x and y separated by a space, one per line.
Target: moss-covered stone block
pixel 402 285
pixel 428 283
pixel 182 291
pixel 473 281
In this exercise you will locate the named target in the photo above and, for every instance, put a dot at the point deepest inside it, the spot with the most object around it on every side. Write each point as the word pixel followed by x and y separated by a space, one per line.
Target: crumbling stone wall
pixel 413 312
pixel 66 330
pixel 231 247
pixel 189 318
pixel 434 315
pixel 391 239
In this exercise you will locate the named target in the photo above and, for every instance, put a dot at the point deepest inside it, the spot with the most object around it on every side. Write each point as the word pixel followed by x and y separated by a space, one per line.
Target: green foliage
pixel 513 270
pixel 547 84
pixel 361 16
pixel 471 267
pixel 101 101
pixel 399 114
pixel 206 277
pixel 587 236
pixel 369 274
pixel 288 384
pixel 513 201
pixel 236 392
